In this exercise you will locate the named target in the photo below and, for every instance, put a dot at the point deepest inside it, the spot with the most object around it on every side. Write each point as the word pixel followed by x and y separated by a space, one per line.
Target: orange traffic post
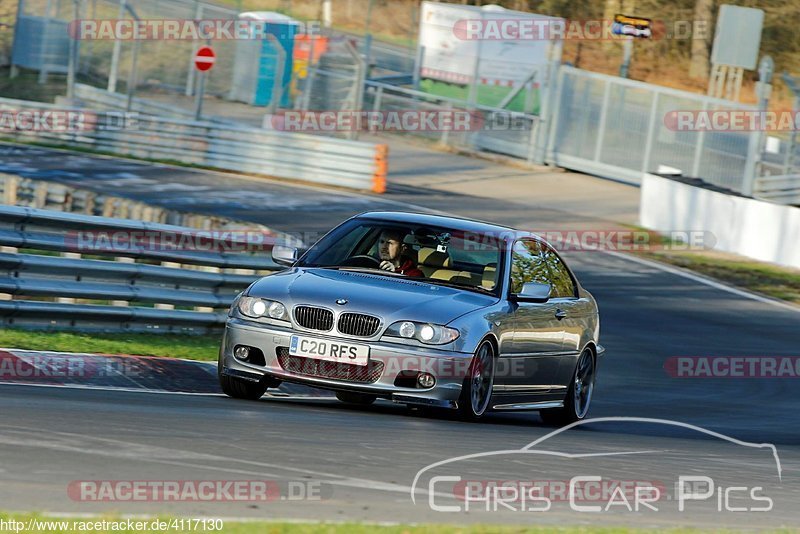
pixel 381 168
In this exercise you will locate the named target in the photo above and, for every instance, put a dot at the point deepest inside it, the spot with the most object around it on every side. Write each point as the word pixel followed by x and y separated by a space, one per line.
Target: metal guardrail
pixel 352 164
pixel 784 189
pixel 95 293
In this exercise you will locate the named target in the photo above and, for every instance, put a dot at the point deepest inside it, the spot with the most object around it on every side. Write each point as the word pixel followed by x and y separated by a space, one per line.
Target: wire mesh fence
pixel 605 124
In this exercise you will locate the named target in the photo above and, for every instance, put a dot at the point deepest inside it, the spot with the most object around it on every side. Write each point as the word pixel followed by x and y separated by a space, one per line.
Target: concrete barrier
pixel 753 228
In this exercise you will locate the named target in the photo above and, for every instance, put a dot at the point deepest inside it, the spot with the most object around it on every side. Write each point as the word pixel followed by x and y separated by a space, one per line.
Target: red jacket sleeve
pixel 409 269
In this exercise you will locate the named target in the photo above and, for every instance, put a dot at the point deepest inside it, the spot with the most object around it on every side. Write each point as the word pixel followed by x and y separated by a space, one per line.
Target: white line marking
pixel 705 281
pixel 110 388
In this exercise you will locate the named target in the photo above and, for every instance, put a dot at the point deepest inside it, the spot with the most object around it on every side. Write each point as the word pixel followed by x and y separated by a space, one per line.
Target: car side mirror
pixel 283 255
pixel 533 292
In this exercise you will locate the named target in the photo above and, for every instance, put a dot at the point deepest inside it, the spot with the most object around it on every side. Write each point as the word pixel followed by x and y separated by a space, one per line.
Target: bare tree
pixel 699 64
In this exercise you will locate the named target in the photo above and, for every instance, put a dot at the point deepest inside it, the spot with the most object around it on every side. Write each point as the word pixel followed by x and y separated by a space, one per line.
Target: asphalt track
pixel 366 459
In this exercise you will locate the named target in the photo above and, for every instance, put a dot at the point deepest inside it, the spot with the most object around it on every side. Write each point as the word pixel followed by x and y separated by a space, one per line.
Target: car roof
pixel 460 223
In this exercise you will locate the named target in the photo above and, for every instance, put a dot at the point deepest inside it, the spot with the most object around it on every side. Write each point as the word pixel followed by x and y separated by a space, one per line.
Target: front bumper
pixel 390 359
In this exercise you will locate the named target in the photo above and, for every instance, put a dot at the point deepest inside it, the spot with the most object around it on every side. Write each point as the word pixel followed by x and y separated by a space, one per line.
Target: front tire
pixel 476 393
pixel 241 389
pixel 579 394
pixel 238 388
pixel 349 397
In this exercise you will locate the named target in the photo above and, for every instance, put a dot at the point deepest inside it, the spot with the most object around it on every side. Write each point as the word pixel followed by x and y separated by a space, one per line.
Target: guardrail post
pixel 10 187
pixel 122 303
pixel 376 103
pixel 445 140
pixel 72 256
pixel 40 195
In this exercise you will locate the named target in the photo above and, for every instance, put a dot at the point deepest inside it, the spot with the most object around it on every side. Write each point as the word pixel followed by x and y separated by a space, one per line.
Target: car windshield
pixel 438 255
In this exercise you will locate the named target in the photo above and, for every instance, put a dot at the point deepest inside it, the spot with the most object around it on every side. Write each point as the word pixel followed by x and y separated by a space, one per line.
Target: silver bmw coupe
pixel 422 310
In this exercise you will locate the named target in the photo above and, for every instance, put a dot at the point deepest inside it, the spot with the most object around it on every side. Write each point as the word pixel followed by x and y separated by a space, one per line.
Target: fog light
pixel 407 329
pixel 241 352
pixel 426 380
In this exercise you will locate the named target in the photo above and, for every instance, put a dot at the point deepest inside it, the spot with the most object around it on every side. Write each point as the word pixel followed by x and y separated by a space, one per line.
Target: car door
pixel 533 358
pixel 573 313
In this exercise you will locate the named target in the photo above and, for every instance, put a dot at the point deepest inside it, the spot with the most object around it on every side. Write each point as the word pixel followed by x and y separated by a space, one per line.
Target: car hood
pixel 391 298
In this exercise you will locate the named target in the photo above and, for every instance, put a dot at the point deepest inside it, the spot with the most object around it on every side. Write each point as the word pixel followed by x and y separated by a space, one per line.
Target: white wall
pixel 753 228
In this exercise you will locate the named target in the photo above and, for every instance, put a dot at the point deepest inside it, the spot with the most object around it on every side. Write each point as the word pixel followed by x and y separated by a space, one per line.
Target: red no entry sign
pixel 204 59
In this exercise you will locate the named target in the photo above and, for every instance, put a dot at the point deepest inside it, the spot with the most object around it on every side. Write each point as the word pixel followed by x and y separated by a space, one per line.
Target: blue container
pixel 268 60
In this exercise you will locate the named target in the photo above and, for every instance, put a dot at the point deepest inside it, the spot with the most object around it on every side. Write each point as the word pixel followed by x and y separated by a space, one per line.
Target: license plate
pixel 332 351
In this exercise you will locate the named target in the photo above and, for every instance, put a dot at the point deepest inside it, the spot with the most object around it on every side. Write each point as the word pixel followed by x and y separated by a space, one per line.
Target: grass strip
pixel 195 347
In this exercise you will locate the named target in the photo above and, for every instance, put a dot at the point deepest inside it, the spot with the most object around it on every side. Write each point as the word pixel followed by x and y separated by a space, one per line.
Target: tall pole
pixel 132 75
pixel 367 34
pixel 45 37
pixel 756 145
pixel 72 61
pixel 627 53
pixel 198 14
pixel 112 75
pixel 198 98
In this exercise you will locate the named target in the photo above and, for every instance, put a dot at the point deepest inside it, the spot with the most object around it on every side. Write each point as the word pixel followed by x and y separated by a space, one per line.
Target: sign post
pixel 631 28
pixel 203 61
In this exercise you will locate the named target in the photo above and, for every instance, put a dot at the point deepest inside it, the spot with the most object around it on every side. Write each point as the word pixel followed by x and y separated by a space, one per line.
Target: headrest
pixel 432 258
pixel 489 276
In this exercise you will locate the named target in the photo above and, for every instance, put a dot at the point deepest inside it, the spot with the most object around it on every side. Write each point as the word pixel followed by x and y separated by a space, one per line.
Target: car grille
pixel 314 318
pixel 364 374
pixel 357 324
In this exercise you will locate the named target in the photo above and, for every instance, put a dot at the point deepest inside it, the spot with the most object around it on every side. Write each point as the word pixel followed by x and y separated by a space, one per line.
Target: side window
pixel 561 280
pixel 527 265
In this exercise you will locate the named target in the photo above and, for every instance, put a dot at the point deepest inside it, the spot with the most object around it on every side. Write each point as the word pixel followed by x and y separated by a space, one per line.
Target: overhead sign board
pixel 737 39
pixel 454 38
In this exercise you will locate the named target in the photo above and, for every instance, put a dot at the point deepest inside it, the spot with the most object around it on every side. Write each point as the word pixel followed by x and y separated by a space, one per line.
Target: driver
pixel 392 253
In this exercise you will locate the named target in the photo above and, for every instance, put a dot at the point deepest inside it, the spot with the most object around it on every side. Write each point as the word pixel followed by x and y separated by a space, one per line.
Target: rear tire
pixel 579 394
pixel 349 397
pixel 476 393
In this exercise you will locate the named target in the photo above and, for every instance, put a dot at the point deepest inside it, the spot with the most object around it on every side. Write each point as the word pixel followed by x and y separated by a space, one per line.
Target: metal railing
pixel 353 164
pixel 784 189
pixel 494 129
pixel 135 264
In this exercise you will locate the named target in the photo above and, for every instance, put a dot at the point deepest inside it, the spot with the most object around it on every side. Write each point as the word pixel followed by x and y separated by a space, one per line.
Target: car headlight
pixel 430 334
pixel 256 307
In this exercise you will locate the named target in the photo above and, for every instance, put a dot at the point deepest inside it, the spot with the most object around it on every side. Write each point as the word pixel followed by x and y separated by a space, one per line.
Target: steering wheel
pixel 362 260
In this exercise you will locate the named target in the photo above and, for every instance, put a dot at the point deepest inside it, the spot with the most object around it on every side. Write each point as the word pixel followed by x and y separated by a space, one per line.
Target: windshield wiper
pixel 368 270
pixel 456 286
